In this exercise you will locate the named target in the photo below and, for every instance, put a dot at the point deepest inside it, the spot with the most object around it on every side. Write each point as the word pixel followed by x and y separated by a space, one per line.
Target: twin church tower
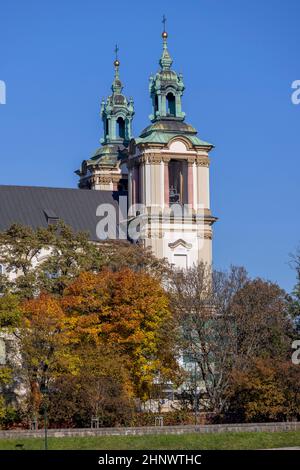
pixel 164 172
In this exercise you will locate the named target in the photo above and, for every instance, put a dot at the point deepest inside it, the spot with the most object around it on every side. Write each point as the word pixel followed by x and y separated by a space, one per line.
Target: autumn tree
pixel 10 316
pixel 294 299
pixel 257 394
pixel 71 254
pixel 44 340
pixel 289 378
pixel 201 299
pixel 45 259
pixel 131 311
pixel 49 259
pixel 98 346
pixel 264 328
pixel 268 390
pixel 227 320
pixel 19 247
pixel 10 312
pixel 5 380
pixel 101 389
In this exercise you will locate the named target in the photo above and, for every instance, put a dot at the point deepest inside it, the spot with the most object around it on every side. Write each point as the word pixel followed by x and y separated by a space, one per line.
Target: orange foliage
pixel 125 309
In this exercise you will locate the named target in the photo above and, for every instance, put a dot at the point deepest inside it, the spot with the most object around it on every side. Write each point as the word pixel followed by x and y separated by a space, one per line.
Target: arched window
pixel 106 127
pixel 171 107
pixel 121 127
pixel 178 188
pixel 155 105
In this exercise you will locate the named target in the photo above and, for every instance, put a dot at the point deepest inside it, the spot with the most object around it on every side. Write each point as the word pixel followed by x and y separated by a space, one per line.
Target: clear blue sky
pixel 238 57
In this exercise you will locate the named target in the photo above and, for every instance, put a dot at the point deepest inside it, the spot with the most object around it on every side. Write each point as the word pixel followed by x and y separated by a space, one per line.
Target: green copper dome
pixel 166 89
pixel 117 113
pixel 162 131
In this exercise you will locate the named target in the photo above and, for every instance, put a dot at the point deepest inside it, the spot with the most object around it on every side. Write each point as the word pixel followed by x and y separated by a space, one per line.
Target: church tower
pixel 103 171
pixel 168 176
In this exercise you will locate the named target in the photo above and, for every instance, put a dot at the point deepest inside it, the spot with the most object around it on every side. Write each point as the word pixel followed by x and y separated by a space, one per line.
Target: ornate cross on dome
pixel 164 20
pixel 116 51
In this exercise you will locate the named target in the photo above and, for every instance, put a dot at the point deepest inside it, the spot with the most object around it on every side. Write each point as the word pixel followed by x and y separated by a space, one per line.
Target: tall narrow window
pixel 106 127
pixel 121 128
pixel 155 105
pixel 178 188
pixel 171 107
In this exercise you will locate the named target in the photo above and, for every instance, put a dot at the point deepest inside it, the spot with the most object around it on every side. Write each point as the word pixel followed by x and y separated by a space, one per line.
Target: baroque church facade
pixel 164 172
pixel 163 176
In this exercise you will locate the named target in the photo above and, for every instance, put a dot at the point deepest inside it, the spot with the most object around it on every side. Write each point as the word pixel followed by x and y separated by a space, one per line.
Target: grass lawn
pixel 234 441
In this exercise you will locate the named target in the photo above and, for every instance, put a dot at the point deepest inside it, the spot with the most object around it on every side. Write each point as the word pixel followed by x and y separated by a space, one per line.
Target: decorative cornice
pixel 202 161
pixel 207 235
pixel 145 146
pixel 154 158
pixel 107 179
pixel 116 178
pixel 191 160
pixel 104 180
pixel 143 159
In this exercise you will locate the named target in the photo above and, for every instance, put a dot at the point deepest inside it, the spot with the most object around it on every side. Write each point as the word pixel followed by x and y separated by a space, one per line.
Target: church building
pixel 163 175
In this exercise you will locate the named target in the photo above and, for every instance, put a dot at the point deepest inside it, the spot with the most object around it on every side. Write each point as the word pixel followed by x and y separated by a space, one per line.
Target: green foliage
pixel 63 254
pixel 69 254
pixel 10 311
pixel 100 389
pixel 294 298
pixel 5 376
pixel 10 416
pixel 20 245
pixel 264 328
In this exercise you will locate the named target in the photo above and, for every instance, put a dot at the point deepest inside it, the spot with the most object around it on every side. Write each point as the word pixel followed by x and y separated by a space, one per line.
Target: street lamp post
pixel 45 427
pixel 196 417
pixel 45 392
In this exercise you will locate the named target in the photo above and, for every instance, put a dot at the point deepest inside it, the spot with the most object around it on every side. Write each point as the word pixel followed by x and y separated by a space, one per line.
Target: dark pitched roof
pixel 33 206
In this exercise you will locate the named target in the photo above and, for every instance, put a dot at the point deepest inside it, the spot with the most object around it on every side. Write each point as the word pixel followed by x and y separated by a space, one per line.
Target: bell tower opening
pixel 171 106
pixel 106 128
pixel 178 182
pixel 155 105
pixel 121 128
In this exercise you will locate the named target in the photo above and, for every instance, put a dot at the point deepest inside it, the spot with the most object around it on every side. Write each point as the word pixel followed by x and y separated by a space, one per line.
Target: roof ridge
pixel 3 186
